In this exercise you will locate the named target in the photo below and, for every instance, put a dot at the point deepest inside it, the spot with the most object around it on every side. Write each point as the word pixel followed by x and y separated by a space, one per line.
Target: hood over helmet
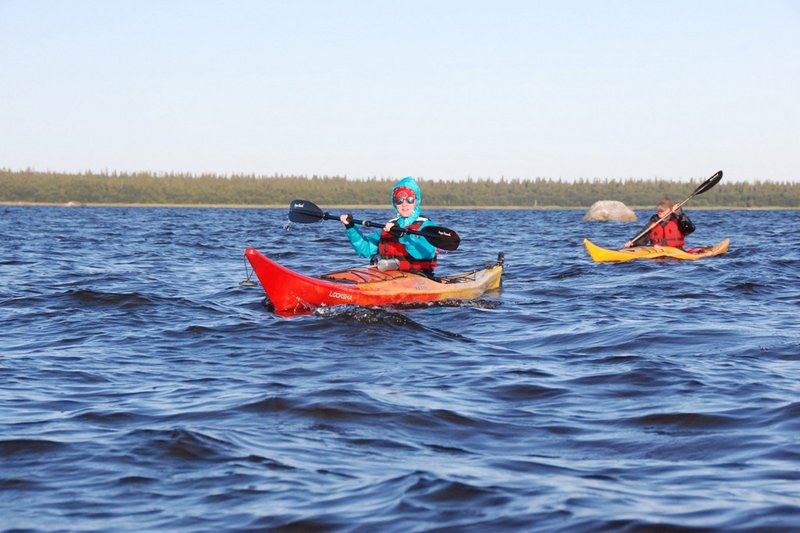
pixel 409 183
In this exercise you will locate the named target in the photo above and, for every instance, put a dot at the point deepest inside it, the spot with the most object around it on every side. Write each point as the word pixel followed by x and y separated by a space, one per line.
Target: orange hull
pixel 290 291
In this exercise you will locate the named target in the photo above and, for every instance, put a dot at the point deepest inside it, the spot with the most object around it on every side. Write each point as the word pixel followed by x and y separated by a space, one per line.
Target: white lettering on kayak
pixel 341 296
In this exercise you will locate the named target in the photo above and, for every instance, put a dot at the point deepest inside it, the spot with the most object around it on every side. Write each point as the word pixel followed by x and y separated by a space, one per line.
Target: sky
pixel 437 89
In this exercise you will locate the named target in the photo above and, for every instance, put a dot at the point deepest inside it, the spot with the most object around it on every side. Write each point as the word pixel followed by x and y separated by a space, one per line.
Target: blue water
pixel 145 389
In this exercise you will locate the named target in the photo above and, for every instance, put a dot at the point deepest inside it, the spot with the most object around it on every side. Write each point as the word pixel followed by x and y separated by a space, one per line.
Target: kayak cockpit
pixel 372 274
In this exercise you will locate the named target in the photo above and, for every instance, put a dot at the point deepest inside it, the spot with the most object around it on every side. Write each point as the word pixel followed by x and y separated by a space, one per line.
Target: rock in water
pixel 610 210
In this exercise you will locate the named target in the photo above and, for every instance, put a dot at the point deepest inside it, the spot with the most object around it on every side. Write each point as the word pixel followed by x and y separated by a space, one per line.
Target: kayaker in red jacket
pixel 397 251
pixel 671 231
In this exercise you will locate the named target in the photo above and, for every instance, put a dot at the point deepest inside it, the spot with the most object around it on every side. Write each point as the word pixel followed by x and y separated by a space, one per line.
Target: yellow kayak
pixel 601 255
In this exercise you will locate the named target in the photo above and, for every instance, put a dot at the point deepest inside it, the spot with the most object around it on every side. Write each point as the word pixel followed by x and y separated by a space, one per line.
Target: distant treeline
pixel 31 186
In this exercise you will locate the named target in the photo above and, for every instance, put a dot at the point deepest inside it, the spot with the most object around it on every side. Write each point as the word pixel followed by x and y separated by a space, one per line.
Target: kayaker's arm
pixel 684 224
pixel 364 246
pixel 644 240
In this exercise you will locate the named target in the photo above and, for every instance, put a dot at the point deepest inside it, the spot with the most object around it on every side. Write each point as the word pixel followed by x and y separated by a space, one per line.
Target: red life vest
pixel 668 234
pixel 390 247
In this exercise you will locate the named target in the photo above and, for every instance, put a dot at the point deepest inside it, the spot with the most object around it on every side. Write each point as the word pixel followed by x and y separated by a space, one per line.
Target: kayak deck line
pixel 360 275
pixel 601 255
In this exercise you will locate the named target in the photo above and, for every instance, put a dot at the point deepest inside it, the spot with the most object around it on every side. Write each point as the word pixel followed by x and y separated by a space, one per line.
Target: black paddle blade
pixel 710 182
pixel 441 237
pixel 304 212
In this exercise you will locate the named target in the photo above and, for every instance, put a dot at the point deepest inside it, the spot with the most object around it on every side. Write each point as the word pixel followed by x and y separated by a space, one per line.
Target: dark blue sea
pixel 142 388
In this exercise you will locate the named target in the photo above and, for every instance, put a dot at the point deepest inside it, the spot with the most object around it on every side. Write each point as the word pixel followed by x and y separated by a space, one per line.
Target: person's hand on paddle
pixel 347 220
pixel 389 227
pixel 628 244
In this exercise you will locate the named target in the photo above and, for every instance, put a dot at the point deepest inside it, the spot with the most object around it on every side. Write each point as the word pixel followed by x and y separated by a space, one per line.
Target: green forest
pixel 29 186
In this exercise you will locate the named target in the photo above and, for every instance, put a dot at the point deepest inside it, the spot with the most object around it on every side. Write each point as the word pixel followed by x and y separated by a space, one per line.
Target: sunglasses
pixel 407 199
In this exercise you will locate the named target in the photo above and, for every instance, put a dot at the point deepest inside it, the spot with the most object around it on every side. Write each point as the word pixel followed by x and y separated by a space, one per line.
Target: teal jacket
pixel 417 246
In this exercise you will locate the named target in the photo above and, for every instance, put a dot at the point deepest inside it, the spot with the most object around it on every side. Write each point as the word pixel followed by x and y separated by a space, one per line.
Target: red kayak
pixel 294 293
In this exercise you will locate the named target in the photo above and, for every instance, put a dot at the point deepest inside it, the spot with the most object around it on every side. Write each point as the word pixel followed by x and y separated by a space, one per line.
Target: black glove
pixel 349 224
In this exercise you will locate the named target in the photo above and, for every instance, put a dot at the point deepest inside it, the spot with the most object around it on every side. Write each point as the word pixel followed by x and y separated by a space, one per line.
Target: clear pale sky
pixel 372 88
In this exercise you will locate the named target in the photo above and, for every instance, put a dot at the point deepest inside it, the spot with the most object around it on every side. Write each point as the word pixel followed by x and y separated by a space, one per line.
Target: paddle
pixel 305 212
pixel 703 187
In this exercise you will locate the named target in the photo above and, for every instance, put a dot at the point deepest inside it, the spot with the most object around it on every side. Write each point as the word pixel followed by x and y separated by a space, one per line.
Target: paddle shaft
pixel 443 238
pixel 328 216
pixel 304 212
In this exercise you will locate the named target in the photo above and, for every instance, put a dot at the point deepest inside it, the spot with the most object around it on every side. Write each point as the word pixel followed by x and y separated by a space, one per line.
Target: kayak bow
pixel 600 254
pixel 291 292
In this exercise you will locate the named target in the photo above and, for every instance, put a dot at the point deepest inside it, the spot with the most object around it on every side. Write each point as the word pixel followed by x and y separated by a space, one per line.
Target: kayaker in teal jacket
pixel 395 250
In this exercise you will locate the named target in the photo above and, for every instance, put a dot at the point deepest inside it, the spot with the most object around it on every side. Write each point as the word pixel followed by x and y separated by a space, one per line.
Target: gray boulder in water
pixel 610 210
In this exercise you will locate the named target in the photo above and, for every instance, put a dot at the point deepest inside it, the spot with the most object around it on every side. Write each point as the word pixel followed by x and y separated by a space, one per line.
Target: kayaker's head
pixel 406 199
pixel 663 205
